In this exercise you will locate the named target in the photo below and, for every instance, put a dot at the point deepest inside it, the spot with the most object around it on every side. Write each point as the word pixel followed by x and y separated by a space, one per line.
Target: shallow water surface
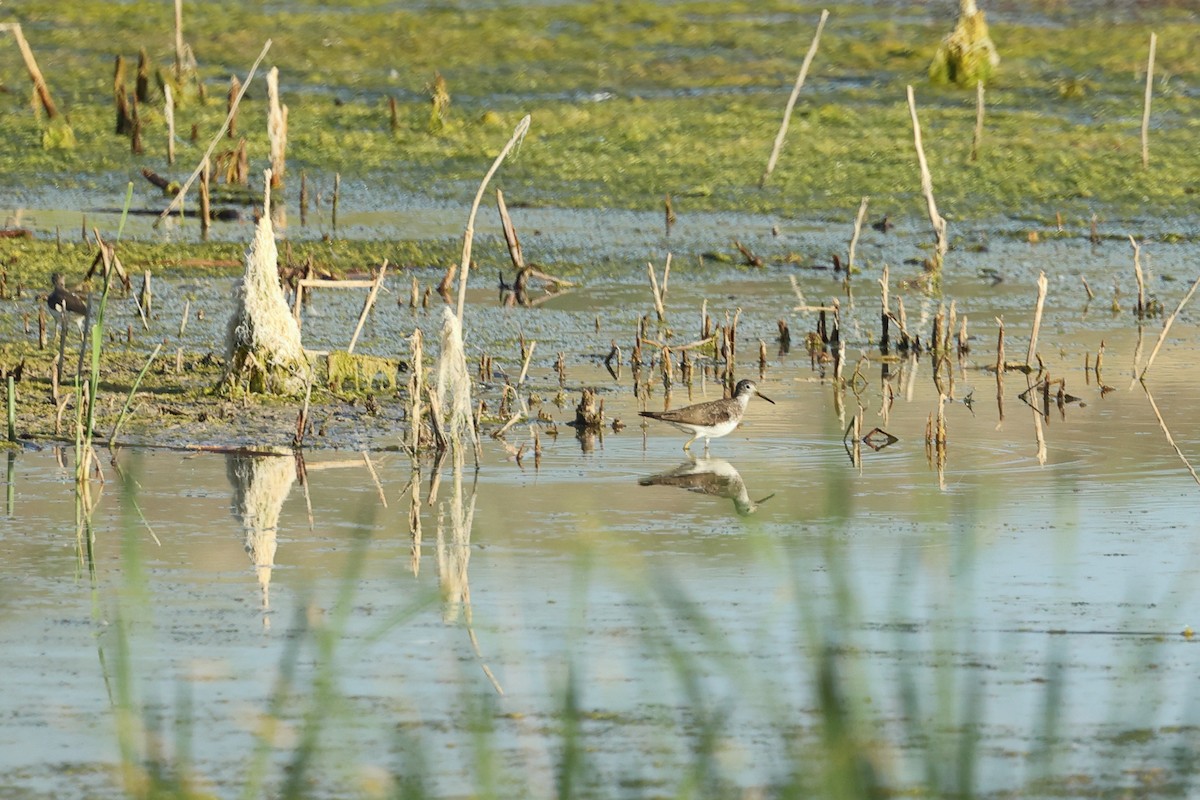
pixel 1032 583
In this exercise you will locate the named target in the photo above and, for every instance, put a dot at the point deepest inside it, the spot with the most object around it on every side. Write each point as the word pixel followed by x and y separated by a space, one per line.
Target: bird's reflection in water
pixel 711 476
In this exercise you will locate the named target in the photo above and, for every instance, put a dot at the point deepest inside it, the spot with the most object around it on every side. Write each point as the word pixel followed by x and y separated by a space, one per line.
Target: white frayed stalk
pixel 277 116
pixel 454 381
pixel 262 339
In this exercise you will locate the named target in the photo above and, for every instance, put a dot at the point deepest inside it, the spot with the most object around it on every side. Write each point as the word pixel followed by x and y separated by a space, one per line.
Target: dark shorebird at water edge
pixel 66 304
pixel 713 419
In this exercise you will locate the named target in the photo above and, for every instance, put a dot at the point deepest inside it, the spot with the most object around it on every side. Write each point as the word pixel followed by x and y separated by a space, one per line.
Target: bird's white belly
pixel 720 430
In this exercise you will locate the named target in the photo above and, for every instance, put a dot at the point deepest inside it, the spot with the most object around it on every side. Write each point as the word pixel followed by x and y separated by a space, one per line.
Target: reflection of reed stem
pixel 1167 433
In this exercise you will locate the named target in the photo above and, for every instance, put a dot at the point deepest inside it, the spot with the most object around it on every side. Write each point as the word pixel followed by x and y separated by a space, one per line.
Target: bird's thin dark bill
pixel 764 397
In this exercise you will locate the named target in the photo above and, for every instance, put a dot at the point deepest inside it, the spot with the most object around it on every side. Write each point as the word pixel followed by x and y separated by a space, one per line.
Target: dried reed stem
pixel 31 66
pixel 1166 327
pixel 169 115
pixel 525 362
pixel 977 138
pixel 12 410
pixel 935 219
pixel 366 309
pixel 510 233
pixel 179 55
pixel 1037 318
pixel 1141 279
pixel 205 197
pixel 178 199
pixel 469 235
pixel 1146 102
pixel 791 103
pixel 235 88
pixel 277 117
pixel 858 221
pixel 337 196
pixel 658 293
pixel 416 388
pixel 1000 345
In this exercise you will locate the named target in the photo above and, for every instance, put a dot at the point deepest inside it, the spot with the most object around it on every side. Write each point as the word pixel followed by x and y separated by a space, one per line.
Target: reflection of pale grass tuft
pixel 454 555
pixel 261 484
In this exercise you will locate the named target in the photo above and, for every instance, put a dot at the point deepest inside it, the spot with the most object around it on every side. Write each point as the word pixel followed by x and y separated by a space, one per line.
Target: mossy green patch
pixel 634 100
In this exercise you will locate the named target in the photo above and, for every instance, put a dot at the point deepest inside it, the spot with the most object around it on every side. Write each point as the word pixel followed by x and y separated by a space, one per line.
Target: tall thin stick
pixel 1141 279
pixel 658 295
pixel 416 389
pixel 1037 318
pixel 977 138
pixel 858 221
pixel 277 116
pixel 362 318
pixel 178 199
pixel 510 233
pixel 12 411
pixel 1146 102
pixel 935 219
pixel 35 74
pixel 169 115
pixel 999 345
pixel 791 103
pixel 469 235
pixel 1166 327
pixel 205 199
pixel 337 195
pixel 525 364
pixel 179 40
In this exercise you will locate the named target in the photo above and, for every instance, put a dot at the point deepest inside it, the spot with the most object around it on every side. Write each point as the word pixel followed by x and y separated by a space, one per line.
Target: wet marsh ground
pixel 1008 615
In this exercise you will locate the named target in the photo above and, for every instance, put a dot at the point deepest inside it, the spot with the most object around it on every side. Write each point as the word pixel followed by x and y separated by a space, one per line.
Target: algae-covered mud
pixel 632 102
pixel 955 558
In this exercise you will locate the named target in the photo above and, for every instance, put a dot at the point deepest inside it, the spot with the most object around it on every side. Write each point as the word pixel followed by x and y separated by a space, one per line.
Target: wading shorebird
pixel 66 304
pixel 713 419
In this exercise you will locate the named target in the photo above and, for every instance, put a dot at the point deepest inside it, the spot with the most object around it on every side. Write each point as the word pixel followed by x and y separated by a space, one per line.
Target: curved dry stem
pixel 518 134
